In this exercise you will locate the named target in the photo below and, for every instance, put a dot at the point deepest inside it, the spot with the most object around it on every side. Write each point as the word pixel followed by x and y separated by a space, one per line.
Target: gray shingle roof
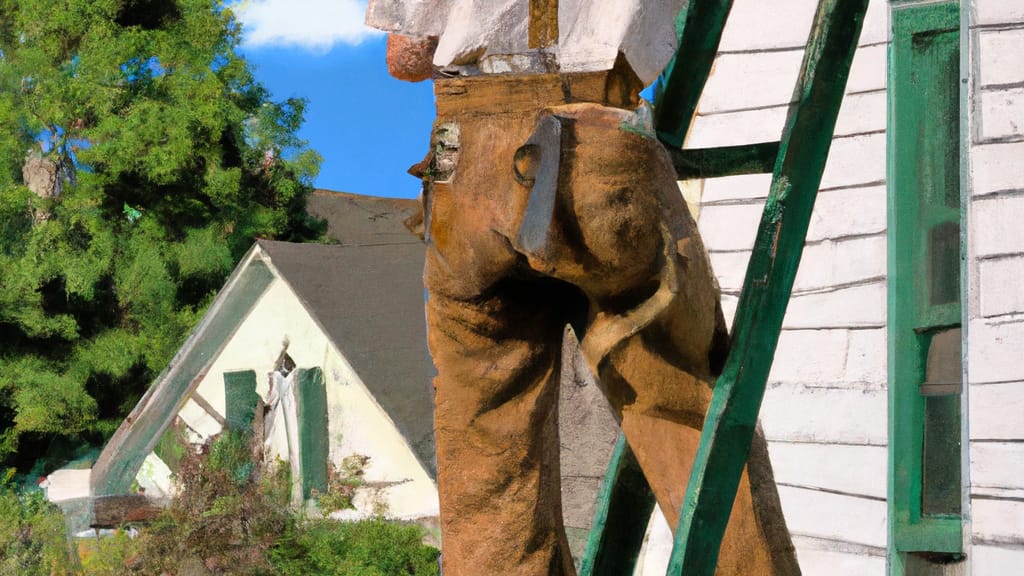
pixel 369 300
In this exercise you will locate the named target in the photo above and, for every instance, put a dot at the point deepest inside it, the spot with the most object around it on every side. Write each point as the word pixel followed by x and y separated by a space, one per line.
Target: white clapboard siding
pixel 997 520
pixel 997 411
pixel 856 306
pixel 996 168
pixel 998 12
pixel 996 306
pixel 823 562
pixel 848 212
pixel 855 160
pixel 848 469
pixel 1001 117
pixel 824 264
pixel 995 351
pixel 828 363
pixel 997 465
pixel 834 516
pixel 729 227
pixel 866 357
pixel 1000 52
pixel 860 113
pixel 996 223
pixel 999 284
pixel 996 560
pixel 798 413
pixel 744 81
pixel 735 188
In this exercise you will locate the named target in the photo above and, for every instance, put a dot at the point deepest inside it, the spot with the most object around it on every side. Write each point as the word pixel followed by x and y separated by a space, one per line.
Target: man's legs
pixel 497 434
pixel 636 252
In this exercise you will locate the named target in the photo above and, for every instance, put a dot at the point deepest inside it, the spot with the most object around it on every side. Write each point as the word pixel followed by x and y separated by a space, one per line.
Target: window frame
pixel 911 321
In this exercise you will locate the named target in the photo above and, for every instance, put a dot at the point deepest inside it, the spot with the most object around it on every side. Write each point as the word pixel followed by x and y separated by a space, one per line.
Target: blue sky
pixel 368 126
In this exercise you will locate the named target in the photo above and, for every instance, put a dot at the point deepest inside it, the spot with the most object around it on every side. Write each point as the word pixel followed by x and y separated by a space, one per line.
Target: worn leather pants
pixel 617 255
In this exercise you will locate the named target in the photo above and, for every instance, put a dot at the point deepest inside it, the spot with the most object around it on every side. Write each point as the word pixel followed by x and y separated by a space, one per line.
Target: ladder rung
pixel 724 161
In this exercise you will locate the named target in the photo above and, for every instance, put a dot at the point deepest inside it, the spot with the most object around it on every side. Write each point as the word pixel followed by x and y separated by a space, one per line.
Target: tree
pixel 138 160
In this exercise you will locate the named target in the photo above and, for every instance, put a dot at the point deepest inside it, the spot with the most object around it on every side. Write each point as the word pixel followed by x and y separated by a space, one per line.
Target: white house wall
pixel 357 424
pixel 995 270
pixel 824 412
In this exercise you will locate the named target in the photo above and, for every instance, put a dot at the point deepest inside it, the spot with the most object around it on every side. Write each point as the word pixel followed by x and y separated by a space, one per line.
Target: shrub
pixel 33 538
pixel 375 547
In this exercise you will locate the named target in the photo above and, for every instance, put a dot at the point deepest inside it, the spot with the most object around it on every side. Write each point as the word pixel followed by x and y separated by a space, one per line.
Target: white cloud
pixel 315 25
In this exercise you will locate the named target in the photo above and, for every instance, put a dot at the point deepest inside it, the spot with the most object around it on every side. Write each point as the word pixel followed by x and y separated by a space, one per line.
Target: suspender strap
pixel 543 23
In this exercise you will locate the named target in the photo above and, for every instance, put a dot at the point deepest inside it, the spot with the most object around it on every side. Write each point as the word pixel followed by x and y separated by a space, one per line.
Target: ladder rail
pixel 778 247
pixel 799 161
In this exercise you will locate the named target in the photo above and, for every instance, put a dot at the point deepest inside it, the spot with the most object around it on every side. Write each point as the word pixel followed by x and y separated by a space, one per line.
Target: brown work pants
pixel 625 266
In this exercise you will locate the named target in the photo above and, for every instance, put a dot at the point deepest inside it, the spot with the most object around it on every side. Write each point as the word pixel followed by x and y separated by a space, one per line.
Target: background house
pixel 331 339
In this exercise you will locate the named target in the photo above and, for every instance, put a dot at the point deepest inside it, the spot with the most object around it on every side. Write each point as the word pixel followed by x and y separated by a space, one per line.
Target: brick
pixel 857 470
pixel 849 211
pixel 996 167
pixel 995 351
pixel 858 306
pixel 996 411
pixel 998 12
pixel 796 413
pixel 997 464
pixel 1002 113
pixel 999 282
pixel 844 261
pixel 729 227
pixel 866 359
pixel 742 187
pixel 855 160
pixel 999 56
pixel 995 225
pixel 793 364
pixel 834 516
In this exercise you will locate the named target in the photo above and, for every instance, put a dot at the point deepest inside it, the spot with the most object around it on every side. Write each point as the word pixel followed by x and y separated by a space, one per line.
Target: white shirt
pixel 494 34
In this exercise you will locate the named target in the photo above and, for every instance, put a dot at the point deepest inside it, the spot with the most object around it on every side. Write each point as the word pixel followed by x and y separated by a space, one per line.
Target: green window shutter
pixel 924 306
pixel 314 444
pixel 240 399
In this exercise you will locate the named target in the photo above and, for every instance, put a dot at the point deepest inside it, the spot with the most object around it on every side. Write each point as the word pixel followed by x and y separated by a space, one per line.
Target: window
pixel 924 306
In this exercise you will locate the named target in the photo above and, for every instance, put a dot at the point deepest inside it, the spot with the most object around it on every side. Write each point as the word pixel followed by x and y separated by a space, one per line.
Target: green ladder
pixel 796 162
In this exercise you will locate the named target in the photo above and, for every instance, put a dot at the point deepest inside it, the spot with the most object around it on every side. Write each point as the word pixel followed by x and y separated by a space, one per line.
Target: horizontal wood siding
pixel 995 270
pixel 824 413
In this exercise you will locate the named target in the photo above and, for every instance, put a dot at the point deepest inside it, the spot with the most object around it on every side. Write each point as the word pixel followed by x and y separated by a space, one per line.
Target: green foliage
pixel 342 483
pixel 369 548
pixel 167 158
pixel 228 511
pixel 33 539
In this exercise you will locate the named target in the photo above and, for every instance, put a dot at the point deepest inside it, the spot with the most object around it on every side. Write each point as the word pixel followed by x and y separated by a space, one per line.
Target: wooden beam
pixel 114 511
pixel 698 32
pixel 691 163
pixel 732 415
pixel 624 506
